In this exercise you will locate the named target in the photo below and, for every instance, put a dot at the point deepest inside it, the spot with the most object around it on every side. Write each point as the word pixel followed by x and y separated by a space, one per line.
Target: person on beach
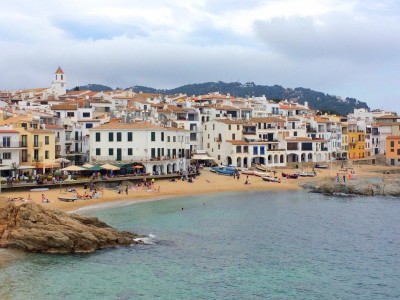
pixel 126 189
pixel 344 178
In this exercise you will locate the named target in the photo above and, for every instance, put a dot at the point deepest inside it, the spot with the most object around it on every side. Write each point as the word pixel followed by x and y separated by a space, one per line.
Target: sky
pixel 348 48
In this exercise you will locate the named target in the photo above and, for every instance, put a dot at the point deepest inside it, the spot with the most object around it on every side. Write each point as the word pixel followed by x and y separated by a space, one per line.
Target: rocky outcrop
pixel 388 187
pixel 31 227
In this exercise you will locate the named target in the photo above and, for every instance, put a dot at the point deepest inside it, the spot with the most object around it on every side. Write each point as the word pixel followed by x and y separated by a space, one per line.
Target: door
pixel 119 154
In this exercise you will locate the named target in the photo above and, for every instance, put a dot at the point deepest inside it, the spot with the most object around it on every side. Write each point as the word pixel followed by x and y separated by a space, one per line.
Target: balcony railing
pixel 12 145
pixel 129 158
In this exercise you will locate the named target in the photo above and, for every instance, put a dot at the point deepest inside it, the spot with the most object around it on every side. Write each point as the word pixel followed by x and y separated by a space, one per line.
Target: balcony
pixel 130 159
pixel 13 145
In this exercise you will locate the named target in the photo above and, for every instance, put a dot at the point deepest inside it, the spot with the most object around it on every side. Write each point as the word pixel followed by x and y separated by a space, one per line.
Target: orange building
pixel 393 150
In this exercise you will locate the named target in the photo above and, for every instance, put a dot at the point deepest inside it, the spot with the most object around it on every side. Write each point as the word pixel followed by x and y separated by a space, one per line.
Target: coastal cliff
pixel 33 228
pixel 388 187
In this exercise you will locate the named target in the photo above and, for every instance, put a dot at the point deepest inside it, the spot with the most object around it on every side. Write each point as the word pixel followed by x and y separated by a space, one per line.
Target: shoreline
pixel 204 184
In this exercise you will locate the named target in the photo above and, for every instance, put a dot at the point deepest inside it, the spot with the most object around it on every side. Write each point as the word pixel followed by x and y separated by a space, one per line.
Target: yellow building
pixel 37 145
pixel 393 150
pixel 356 141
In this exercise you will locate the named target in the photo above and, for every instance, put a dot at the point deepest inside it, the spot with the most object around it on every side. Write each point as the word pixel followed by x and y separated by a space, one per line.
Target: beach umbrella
pixel 73 169
pixel 109 167
pixel 62 160
pixel 87 166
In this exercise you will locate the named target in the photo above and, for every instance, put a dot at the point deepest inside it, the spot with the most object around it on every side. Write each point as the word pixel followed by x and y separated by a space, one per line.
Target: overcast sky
pixel 346 48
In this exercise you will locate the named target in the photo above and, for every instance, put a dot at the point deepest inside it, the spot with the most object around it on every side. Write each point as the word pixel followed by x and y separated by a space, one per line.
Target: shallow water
pixel 254 245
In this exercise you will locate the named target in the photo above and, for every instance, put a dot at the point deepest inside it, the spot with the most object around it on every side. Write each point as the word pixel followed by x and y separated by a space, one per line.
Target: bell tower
pixel 59 85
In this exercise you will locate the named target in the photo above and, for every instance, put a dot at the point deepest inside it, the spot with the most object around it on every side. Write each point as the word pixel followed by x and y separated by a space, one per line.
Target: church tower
pixel 59 85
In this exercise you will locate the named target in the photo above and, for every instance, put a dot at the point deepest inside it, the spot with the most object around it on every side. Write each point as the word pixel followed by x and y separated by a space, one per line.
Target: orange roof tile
pixel 59 71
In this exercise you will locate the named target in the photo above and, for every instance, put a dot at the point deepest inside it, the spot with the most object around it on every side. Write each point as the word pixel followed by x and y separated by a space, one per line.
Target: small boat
pixel 271 179
pixel 291 176
pixel 318 166
pixel 305 174
pixel 261 167
pixel 67 199
pixel 248 172
pixel 223 171
pixel 39 189
pixel 261 174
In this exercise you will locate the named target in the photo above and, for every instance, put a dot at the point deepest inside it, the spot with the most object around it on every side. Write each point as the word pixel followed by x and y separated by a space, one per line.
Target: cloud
pixel 348 48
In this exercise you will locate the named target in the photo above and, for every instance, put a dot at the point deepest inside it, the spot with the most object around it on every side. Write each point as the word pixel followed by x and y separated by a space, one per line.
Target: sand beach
pixel 207 182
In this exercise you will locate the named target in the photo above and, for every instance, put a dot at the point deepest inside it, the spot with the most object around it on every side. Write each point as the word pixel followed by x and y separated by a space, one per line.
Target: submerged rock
pixel 33 228
pixel 388 187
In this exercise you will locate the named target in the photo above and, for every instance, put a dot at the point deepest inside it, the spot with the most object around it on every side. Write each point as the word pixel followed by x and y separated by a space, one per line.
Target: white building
pixel 158 149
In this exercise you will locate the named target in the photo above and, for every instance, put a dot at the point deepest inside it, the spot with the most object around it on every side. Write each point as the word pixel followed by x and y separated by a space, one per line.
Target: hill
pixel 317 100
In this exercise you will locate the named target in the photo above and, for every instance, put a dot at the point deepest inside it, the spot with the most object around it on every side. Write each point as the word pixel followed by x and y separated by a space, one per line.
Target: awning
pixel 26 167
pixel 3 168
pixel 41 165
pixel 202 157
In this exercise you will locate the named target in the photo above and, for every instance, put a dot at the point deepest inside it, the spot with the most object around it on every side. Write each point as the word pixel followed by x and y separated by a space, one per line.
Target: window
pixel 398 151
pixel 255 150
pixel 130 139
pixel 174 139
pixel 119 136
pixel 392 144
pixel 111 136
pixel 168 139
pixel 89 125
pixel 162 136
pixel 98 151
pixel 86 115
pixel 24 140
pixel 70 114
pixel 295 133
pixel 238 127
pixel 153 136
pixel 130 152
pixel 262 150
pixel 7 155
pixel 97 136
pixel 219 147
pixel 24 155
pixel 110 151
pixel 35 141
pixel 233 136
pixel 6 141
pixel 213 126
pixel 46 140
pixel 229 127
pixel 153 152
pixel 46 154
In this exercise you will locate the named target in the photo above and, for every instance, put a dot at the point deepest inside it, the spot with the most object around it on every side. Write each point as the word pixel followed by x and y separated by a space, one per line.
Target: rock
pixel 388 187
pixel 31 227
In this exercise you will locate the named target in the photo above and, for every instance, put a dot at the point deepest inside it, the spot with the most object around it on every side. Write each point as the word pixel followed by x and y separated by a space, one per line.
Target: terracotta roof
pixel 40 131
pixel 8 131
pixel 64 107
pixel 386 123
pixel 267 120
pixel 228 121
pixel 393 137
pixel 59 71
pixel 387 117
pixel 51 126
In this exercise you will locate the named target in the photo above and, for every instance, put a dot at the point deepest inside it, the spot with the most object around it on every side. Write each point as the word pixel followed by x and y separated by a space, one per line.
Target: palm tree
pixel 15 167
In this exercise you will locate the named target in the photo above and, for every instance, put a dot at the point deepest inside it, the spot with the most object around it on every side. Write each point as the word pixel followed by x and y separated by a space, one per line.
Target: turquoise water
pixel 256 245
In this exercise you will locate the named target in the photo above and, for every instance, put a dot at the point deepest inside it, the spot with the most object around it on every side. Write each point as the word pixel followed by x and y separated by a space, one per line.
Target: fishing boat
pixel 261 167
pixel 261 174
pixel 68 199
pixel 305 174
pixel 271 179
pixel 247 172
pixel 223 170
pixel 318 166
pixel 291 176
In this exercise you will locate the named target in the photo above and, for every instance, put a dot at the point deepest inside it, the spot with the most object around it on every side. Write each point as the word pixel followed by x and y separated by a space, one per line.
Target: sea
pixel 248 245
